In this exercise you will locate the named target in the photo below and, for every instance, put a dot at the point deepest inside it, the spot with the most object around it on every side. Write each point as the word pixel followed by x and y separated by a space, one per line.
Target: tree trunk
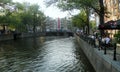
pixel 34 28
pixel 34 22
pixel 3 31
pixel 101 14
pixel 88 26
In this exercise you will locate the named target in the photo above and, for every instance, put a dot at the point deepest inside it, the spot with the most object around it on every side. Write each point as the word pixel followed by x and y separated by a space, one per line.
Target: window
pixel 114 2
pixel 119 6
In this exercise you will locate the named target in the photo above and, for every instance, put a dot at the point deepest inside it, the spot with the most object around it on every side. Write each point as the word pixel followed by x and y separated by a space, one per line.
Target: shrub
pixel 117 36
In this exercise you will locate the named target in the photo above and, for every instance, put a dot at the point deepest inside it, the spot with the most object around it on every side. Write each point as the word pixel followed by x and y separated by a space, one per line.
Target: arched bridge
pixel 59 33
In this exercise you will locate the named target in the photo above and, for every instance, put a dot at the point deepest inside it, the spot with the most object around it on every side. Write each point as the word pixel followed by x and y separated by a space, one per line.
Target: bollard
pixel 114 56
pixel 100 43
pixel 95 43
pixel 106 45
pixel 99 46
pixel 105 50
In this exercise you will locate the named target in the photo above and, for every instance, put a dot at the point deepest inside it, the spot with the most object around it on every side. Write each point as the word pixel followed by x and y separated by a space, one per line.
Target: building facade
pixel 112 10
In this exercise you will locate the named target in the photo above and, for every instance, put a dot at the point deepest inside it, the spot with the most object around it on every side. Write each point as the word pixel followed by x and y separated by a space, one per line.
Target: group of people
pixel 98 40
pixel 106 39
pixel 102 41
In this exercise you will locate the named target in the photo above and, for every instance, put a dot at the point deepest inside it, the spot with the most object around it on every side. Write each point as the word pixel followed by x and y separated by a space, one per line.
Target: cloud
pixel 51 11
pixel 54 12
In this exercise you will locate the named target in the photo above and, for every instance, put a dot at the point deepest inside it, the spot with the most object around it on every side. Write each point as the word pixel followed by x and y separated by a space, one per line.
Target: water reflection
pixel 42 55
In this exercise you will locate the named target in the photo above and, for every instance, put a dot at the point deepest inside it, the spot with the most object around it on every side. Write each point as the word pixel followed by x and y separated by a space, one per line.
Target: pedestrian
pixel 101 42
pixel 107 41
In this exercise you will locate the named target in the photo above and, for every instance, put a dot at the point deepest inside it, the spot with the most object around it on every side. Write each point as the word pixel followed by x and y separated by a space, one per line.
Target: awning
pixel 118 21
pixel 110 25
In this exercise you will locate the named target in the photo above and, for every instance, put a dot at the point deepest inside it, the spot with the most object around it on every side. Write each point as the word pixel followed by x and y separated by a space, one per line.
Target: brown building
pixel 112 12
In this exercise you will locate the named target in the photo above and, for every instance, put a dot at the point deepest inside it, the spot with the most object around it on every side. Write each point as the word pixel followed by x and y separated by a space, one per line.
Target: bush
pixel 117 37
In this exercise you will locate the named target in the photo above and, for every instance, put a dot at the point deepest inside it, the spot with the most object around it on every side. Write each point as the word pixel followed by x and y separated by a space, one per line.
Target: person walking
pixel 107 41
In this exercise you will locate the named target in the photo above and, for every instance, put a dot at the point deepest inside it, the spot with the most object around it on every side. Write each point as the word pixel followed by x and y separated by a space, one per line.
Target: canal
pixel 51 54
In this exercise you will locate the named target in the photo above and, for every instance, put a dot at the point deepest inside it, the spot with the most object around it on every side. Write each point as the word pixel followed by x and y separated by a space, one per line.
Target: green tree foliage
pixel 79 20
pixel 37 15
pixel 5 1
pixel 25 15
pixel 20 7
pixel 93 25
pixel 15 22
pixel 117 37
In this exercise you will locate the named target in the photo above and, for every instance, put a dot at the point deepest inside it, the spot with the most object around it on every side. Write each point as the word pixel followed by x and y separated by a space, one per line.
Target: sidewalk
pixel 111 52
pixel 118 52
pixel 118 49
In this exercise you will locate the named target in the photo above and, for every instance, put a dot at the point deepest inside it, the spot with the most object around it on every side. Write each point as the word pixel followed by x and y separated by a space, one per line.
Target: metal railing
pixel 101 46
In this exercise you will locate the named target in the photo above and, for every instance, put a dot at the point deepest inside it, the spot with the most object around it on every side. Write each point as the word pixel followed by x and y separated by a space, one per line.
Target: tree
pixel 31 16
pixel 5 1
pixel 79 20
pixel 19 19
pixel 4 18
pixel 24 16
pixel 101 14
pixel 38 16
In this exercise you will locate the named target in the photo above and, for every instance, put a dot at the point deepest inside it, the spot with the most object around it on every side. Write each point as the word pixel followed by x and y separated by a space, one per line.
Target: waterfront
pixel 51 54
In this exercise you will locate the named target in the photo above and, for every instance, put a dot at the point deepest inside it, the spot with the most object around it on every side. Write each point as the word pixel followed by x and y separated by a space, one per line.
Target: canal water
pixel 51 54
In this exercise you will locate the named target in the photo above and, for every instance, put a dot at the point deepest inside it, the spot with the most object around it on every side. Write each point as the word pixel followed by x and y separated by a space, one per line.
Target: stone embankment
pixel 100 61
pixel 17 36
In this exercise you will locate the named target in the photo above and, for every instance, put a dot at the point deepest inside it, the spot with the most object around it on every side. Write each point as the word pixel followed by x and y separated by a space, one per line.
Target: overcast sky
pixel 51 11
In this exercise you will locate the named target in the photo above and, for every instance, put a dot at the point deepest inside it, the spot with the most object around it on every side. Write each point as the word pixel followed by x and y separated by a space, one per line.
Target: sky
pixel 51 11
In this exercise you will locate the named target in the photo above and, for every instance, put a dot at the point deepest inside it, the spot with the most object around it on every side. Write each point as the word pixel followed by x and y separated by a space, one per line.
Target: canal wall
pixel 6 37
pixel 100 61
pixel 22 35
